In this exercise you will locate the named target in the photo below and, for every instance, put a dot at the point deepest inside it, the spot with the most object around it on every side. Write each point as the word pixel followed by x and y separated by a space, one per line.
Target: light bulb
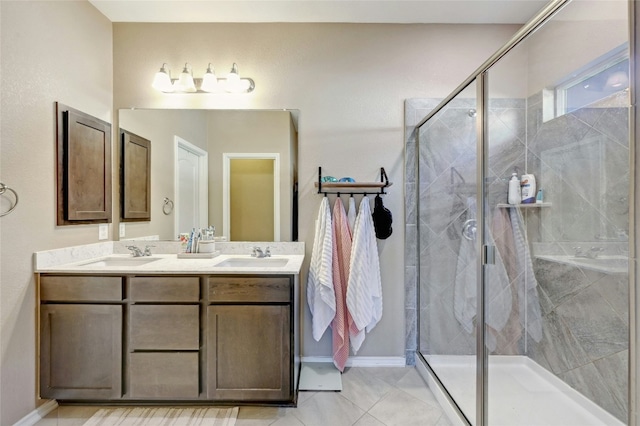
pixel 209 80
pixel 162 80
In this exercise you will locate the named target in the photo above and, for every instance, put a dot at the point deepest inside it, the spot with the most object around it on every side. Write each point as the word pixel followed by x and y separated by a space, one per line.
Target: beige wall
pixel 349 82
pixel 50 51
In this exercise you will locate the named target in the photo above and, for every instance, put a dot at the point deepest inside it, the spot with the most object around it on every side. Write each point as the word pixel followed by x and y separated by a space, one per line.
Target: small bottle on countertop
pixel 514 195
pixel 540 197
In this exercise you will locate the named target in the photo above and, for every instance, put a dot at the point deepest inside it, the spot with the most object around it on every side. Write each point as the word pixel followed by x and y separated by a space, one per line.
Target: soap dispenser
pixel 514 196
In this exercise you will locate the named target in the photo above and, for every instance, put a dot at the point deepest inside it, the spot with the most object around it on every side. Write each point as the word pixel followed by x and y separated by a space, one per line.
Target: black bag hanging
pixel 381 219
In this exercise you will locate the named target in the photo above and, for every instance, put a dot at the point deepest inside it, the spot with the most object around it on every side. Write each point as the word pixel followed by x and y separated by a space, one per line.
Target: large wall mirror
pixel 208 163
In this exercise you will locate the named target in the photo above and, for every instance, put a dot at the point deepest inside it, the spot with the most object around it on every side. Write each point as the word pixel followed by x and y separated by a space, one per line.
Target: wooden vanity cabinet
pixel 249 339
pixel 81 337
pixel 180 338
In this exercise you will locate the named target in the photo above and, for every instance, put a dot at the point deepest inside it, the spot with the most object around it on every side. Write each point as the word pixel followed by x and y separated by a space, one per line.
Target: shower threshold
pixel 521 393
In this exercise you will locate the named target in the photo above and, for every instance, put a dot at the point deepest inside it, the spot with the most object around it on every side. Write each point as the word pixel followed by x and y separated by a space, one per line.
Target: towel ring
pixel 167 207
pixel 4 188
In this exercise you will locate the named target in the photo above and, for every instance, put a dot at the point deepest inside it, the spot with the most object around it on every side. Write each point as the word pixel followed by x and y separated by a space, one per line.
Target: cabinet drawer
pixel 249 289
pixel 80 288
pixel 163 375
pixel 164 327
pixel 164 289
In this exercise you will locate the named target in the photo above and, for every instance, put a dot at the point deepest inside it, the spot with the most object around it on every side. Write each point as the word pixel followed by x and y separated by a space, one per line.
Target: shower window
pixel 598 83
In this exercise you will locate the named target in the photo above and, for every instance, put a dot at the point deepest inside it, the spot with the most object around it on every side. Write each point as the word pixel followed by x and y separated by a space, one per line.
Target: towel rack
pixel 347 187
pixel 4 188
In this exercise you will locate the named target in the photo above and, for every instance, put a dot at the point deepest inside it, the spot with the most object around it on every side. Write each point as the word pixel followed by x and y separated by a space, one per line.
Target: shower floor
pixel 521 393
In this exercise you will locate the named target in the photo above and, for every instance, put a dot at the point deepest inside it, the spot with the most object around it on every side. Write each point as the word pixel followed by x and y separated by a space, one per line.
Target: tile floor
pixel 370 397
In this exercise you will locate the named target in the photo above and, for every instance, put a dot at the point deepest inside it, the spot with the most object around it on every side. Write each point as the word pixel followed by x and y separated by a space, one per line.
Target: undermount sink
pixel 253 262
pixel 110 262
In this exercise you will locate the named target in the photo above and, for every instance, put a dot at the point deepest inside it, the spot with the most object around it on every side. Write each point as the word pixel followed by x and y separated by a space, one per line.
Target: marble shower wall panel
pixel 584 170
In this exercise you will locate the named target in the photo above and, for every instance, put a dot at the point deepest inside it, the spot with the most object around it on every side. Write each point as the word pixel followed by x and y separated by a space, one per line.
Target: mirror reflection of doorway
pixel 191 187
pixel 251 197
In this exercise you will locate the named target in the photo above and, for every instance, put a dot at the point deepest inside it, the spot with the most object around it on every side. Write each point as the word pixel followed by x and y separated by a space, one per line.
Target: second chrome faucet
pixel 257 252
pixel 137 252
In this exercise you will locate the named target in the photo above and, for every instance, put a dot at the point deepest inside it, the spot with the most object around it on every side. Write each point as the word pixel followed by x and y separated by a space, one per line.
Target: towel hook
pixel 3 189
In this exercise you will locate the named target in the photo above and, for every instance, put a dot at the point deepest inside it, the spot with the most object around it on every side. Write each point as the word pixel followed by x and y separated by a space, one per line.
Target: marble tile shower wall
pixel 584 340
pixel 585 313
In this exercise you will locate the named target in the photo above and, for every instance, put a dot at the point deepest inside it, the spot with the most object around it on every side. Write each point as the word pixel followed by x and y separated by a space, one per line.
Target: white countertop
pixel 86 260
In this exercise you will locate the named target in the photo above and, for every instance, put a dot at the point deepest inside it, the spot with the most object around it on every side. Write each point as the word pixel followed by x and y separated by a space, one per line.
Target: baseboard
pixel 363 361
pixel 38 414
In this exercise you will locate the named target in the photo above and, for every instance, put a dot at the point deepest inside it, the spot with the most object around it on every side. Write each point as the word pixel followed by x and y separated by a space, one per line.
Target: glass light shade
pixel 162 81
pixel 185 82
pixel 209 81
pixel 233 76
pixel 234 83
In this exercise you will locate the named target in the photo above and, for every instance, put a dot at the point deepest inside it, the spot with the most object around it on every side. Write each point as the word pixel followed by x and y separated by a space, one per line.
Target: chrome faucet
pixel 137 252
pixel 592 253
pixel 257 252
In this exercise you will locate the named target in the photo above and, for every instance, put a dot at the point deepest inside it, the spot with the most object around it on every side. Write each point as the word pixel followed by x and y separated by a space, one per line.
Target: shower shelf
pixel 523 206
pixel 348 187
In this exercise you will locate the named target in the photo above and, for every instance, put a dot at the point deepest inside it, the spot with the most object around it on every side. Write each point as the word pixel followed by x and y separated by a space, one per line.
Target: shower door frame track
pixel 480 77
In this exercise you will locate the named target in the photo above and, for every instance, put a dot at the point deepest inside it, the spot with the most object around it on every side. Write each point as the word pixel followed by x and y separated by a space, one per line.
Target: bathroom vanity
pixel 119 329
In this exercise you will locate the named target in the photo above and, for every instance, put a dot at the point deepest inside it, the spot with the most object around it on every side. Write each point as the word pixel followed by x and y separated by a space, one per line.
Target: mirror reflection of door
pixel 191 187
pixel 252 201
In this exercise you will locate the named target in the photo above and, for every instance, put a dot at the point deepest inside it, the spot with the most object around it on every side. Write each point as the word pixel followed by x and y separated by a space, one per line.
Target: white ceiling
pixel 357 11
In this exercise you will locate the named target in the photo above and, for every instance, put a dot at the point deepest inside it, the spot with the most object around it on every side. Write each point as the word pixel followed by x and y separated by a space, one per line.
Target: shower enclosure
pixel 523 314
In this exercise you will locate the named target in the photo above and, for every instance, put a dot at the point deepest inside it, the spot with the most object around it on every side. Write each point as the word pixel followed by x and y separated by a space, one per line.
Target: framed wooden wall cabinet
pixel 135 174
pixel 83 146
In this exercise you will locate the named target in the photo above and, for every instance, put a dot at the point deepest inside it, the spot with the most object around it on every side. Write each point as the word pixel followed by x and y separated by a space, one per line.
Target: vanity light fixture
pixel 209 83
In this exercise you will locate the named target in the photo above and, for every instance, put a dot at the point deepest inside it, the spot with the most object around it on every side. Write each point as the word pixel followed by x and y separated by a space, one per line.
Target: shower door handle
pixel 488 255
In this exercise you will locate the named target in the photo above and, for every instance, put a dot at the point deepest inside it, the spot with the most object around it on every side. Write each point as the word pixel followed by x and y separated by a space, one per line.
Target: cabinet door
pixel 136 177
pixel 84 168
pixel 80 351
pixel 249 352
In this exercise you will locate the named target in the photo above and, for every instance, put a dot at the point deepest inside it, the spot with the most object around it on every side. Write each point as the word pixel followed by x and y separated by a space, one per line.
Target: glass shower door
pixel 557 294
pixel 449 250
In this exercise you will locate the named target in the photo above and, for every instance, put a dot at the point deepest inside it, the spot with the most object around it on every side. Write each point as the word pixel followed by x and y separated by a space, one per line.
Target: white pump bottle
pixel 514 196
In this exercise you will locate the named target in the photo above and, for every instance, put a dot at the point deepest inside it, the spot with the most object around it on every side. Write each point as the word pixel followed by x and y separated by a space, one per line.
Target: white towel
pixel 321 296
pixel 528 301
pixel 497 292
pixel 364 291
pixel 351 215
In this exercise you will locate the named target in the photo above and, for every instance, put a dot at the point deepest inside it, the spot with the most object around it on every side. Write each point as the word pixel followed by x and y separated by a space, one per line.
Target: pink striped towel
pixel 341 253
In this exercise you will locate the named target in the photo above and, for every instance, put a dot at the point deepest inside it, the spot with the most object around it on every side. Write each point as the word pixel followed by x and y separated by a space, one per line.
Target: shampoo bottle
pixel 514 195
pixel 528 188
